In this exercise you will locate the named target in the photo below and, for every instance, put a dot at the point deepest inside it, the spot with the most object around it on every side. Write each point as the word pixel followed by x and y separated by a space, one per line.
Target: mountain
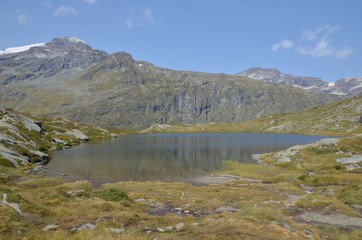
pixel 351 85
pixel 47 60
pixel 346 86
pixel 66 77
pixel 338 118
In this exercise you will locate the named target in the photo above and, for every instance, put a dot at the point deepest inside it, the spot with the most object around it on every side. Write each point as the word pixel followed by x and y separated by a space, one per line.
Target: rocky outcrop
pixel 25 140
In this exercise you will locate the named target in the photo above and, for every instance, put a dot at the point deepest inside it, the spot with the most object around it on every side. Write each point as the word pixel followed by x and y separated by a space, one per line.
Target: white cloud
pixel 285 43
pixel 64 11
pixel 143 18
pixel 129 22
pixel 147 16
pixel 90 1
pixel 22 18
pixel 319 33
pixel 47 3
pixel 316 43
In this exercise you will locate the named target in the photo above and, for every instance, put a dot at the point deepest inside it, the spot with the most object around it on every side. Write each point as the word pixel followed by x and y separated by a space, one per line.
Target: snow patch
pixel 331 84
pixel 74 39
pixel 20 49
pixel 140 65
pixel 358 86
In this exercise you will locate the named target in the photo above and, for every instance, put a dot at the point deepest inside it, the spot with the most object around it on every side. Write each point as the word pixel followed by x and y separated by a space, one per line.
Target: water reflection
pixel 165 157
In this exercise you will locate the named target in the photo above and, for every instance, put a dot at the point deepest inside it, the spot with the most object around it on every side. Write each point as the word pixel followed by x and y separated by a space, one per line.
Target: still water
pixel 165 157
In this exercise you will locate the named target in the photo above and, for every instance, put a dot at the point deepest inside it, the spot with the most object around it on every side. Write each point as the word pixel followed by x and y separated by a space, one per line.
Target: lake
pixel 164 157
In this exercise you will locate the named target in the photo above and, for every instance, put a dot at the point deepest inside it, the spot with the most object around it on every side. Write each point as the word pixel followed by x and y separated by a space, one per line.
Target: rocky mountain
pixel 351 85
pixel 346 86
pixel 45 61
pixel 66 77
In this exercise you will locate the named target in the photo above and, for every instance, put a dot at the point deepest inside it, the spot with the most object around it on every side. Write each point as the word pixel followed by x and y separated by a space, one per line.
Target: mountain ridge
pixel 67 77
pixel 314 84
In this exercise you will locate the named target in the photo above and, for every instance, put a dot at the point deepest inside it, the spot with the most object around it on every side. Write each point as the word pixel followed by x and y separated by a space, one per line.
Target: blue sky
pixel 319 38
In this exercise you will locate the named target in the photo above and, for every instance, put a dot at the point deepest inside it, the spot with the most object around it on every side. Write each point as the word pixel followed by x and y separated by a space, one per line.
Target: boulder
pixel 180 226
pixel 78 134
pixel 31 124
pixel 50 227
pixel 12 156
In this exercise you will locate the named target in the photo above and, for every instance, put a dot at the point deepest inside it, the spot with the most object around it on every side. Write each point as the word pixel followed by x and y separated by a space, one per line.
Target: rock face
pixel 345 86
pixel 68 78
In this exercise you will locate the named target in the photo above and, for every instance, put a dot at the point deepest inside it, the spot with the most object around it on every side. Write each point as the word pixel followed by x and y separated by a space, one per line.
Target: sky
pixel 317 38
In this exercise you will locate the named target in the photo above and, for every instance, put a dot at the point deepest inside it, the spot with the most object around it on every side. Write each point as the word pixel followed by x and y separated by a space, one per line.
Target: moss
pixel 111 195
pixel 6 163
pixel 323 150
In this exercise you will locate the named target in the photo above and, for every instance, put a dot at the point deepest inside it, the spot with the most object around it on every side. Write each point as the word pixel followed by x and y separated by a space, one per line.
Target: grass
pixel 260 212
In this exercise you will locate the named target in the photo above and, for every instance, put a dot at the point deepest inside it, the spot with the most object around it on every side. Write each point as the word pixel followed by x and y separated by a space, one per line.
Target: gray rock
pixel 352 167
pixel 59 141
pixel 334 219
pixel 117 230
pixel 180 226
pixel 50 227
pixel 31 124
pixel 195 224
pixel 12 156
pixel 169 229
pixel 226 209
pixel 78 134
pixel 350 160
pixel 87 226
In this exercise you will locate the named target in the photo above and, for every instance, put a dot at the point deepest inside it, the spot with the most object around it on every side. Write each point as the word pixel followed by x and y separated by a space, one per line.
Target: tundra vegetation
pixel 311 191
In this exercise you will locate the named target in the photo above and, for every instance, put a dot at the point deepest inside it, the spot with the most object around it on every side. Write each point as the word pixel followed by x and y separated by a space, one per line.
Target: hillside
pixel 26 139
pixel 68 78
pixel 340 118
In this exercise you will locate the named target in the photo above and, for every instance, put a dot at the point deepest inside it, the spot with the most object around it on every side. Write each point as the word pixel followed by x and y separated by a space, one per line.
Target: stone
pixel 169 228
pixel 117 230
pixel 180 226
pixel 50 227
pixel 350 160
pixel 352 167
pixel 226 209
pixel 87 226
pixel 195 224
pixel 161 230
pixel 58 141
pixel 78 134
pixel 31 124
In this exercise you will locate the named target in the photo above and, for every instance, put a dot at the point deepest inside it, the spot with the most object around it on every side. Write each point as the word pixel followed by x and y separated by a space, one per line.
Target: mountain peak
pixel 68 39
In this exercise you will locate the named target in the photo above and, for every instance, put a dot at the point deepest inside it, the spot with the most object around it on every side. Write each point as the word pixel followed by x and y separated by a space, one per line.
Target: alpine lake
pixel 165 156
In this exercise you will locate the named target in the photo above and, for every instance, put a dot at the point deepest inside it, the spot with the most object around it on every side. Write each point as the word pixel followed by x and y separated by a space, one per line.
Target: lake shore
pixel 295 198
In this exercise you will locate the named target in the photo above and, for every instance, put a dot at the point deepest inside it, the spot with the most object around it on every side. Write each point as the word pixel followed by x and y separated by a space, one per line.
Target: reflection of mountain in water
pixel 166 156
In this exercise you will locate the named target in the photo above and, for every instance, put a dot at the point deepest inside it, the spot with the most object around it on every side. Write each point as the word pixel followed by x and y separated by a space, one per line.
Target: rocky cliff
pixel 68 78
